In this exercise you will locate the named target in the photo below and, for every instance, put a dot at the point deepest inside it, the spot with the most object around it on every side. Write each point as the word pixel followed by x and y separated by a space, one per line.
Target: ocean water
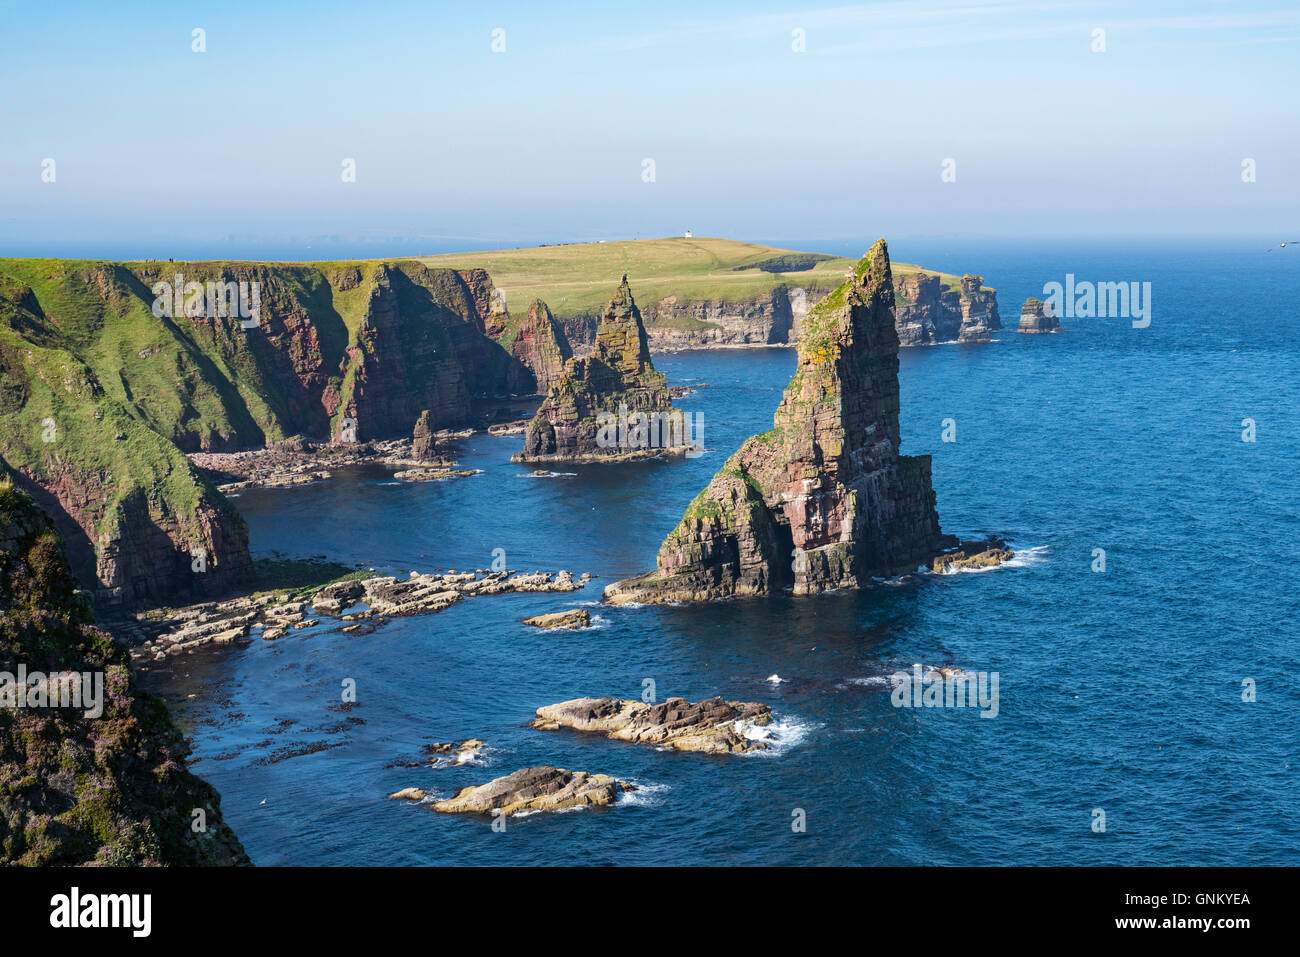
pixel 1119 691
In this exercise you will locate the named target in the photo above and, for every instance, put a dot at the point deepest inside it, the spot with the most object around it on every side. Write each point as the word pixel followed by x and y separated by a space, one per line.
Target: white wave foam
pixel 642 795
pixel 780 735
pixel 1023 558
pixel 774 679
pixel 549 475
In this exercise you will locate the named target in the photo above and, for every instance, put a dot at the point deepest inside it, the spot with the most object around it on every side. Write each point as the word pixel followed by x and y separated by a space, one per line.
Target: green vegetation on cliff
pixel 79 788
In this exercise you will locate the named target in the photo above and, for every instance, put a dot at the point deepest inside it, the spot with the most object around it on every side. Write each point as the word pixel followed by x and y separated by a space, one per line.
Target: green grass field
pixel 578 279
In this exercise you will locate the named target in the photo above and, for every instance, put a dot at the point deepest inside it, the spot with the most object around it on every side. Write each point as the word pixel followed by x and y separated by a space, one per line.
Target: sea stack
pixel 979 310
pixel 823 500
pixel 611 405
pixel 1036 317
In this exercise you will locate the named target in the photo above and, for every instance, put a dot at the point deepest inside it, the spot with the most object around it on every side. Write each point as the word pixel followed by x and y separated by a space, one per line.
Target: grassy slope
pixel 577 279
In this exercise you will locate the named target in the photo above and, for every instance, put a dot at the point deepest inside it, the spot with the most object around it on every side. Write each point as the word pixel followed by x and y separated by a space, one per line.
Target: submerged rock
pixel 713 725
pixel 973 555
pixel 408 794
pixel 617 380
pixel 823 500
pixel 535 789
pixel 574 618
pixel 1036 317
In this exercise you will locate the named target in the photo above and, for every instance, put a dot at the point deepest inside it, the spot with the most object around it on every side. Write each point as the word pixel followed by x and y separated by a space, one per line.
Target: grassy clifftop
pixel 574 279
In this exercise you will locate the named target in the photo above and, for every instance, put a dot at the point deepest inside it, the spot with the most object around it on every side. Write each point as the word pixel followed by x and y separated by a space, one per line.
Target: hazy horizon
pixel 759 119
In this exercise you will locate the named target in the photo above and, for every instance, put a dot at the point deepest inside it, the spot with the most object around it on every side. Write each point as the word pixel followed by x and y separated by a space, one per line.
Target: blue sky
pixel 546 141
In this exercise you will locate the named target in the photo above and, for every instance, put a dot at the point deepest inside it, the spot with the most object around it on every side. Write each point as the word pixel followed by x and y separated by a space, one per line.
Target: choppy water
pixel 1118 690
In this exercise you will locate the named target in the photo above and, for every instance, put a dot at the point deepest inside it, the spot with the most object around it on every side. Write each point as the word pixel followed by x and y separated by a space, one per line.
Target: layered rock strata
pixel 925 313
pixel 1036 318
pixel 823 500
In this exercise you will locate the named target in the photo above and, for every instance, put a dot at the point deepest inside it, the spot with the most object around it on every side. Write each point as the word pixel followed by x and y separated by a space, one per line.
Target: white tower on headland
pixel 688 234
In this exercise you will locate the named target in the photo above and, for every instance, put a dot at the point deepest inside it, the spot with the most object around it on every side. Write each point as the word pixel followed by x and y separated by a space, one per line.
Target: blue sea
pixel 1120 691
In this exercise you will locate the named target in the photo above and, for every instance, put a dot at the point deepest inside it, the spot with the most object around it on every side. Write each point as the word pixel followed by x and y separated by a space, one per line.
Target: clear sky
pixel 547 139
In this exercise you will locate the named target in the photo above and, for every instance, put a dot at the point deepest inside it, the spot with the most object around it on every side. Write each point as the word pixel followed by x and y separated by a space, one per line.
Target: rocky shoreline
pixel 362 603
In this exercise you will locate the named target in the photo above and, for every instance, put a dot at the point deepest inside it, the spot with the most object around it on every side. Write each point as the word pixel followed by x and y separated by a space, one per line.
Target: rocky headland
pixel 714 726
pixel 611 405
pixel 79 788
pixel 824 499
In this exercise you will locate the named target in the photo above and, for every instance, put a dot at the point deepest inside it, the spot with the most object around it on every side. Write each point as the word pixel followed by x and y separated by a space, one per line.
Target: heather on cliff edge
pixel 74 790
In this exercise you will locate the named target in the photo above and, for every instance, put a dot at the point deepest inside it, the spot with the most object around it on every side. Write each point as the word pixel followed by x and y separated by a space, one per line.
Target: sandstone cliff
pixel 540 345
pixel 823 500
pixel 926 313
pixel 77 789
pixel 611 405
pixel 108 374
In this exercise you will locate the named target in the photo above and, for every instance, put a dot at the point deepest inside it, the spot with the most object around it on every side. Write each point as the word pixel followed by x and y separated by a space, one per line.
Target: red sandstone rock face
pixel 540 345
pixel 377 343
pixel 823 500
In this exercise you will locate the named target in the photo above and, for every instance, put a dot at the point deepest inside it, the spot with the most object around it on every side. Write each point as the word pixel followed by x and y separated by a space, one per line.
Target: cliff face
pixel 1037 318
pixel 617 377
pixel 75 788
pixel 109 372
pixel 926 313
pixel 823 500
pixel 540 345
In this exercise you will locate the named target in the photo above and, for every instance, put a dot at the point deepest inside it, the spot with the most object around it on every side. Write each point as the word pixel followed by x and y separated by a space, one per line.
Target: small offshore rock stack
pixel 617 380
pixel 926 314
pixel 423 446
pixel 1036 317
pixel 823 500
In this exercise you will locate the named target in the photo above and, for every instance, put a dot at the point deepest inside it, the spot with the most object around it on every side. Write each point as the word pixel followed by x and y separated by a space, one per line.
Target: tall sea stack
pixel 823 500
